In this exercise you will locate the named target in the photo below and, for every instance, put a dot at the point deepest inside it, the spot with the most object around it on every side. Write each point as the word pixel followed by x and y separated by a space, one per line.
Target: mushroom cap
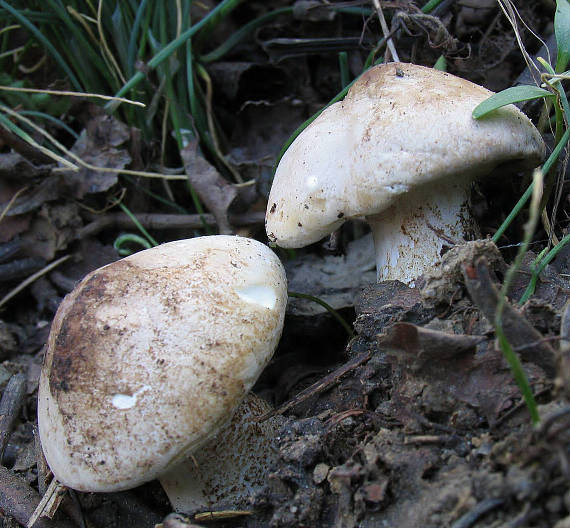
pixel 150 356
pixel 400 126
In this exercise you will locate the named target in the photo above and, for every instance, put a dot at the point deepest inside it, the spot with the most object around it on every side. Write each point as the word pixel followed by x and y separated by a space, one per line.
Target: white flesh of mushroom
pixel 410 235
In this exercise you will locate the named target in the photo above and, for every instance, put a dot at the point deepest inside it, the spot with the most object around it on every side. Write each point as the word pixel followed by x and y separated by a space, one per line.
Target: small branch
pixel 18 500
pixel 319 386
pixel 12 400
pixel 165 221
pixel 386 31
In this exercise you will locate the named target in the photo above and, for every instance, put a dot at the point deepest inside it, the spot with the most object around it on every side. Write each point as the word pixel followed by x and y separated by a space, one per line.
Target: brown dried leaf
pixel 426 344
pixel 99 145
pixel 216 193
pixel 442 373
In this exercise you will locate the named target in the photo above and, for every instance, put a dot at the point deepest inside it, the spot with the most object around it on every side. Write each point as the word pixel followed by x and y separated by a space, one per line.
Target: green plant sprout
pixel 553 92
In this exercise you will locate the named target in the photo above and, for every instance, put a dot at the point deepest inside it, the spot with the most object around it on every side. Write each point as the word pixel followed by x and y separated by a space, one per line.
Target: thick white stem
pixel 231 467
pixel 410 235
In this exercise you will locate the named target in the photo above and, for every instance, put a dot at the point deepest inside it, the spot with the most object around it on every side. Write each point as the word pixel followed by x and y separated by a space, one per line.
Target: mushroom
pixel 148 359
pixel 401 150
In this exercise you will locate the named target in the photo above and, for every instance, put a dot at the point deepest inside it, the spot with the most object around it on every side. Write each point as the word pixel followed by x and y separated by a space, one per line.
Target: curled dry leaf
pixel 216 193
pixel 448 374
pixel 100 145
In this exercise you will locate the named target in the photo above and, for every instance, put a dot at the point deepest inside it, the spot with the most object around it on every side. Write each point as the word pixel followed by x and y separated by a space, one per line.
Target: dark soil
pixel 416 420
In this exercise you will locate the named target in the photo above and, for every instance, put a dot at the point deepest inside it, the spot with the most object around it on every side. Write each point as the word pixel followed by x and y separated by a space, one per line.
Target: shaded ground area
pixel 414 421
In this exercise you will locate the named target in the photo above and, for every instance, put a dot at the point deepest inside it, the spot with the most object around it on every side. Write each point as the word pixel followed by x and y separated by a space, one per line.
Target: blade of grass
pixel 223 8
pixel 343 67
pixel 508 352
pixel 138 225
pixel 514 94
pixel 241 34
pixel 527 194
pixel 135 29
pixel 44 42
pixel 540 268
pixel 430 6
pixel 129 238
pixel 327 307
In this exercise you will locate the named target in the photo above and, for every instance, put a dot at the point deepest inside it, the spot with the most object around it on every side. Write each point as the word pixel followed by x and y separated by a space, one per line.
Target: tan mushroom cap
pixel 149 357
pixel 400 126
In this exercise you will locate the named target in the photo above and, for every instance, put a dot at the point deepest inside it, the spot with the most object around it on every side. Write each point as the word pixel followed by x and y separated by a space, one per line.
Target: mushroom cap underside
pixel 400 126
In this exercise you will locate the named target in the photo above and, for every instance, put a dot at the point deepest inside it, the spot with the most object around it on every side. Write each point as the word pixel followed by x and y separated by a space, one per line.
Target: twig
pixel 24 284
pixel 49 503
pixel 165 221
pixel 19 500
pixel 386 31
pixel 471 517
pixel 12 400
pixel 319 386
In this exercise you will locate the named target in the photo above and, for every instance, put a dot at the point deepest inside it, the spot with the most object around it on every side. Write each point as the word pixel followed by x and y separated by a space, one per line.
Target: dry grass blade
pixel 72 94
pixel 512 14
pixel 77 159
pixel 386 31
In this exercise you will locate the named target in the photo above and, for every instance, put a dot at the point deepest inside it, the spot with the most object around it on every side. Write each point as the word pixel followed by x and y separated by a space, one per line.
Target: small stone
pixel 320 473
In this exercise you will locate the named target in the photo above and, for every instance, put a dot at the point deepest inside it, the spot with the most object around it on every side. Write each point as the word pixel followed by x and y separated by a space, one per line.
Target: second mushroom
pixel 401 150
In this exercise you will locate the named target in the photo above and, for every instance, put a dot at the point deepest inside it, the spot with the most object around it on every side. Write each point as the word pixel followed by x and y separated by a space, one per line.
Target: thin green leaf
pixel 562 32
pixel 242 33
pixel 45 42
pixel 139 226
pixel 440 64
pixel 552 159
pixel 327 307
pixel 130 239
pixel 540 268
pixel 515 94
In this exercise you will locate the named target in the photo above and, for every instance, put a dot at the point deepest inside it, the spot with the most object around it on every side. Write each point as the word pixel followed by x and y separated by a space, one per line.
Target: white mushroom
pixel 149 358
pixel 401 150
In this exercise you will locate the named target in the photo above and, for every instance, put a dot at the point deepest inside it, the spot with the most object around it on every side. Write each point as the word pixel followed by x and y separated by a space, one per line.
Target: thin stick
pixel 18 500
pixel 72 94
pixel 10 405
pixel 386 31
pixel 32 278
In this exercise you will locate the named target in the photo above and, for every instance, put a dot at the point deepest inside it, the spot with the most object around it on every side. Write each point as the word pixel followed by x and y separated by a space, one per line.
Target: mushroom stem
pixel 230 467
pixel 409 236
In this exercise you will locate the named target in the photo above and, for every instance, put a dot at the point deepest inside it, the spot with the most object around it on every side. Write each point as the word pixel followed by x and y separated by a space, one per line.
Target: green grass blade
pixel 129 239
pixel 241 34
pixel 430 6
pixel 515 94
pixel 139 226
pixel 552 159
pixel 540 268
pixel 562 32
pixel 327 307
pixel 48 117
pixel 132 46
pixel 168 50
pixel 44 42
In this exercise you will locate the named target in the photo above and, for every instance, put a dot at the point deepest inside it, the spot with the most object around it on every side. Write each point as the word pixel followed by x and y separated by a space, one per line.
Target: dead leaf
pixel 525 339
pixel 216 193
pixel 99 145
pixel 426 344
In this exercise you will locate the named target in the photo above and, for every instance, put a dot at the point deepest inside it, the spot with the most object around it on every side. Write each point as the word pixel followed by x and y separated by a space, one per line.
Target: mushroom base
pixel 231 467
pixel 410 235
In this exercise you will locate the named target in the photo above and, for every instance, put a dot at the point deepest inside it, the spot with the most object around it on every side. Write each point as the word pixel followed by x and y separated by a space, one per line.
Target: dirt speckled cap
pixel 150 356
pixel 401 126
